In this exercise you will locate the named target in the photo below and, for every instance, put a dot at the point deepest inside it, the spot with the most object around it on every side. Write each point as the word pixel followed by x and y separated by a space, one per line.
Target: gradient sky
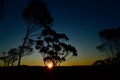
pixel 80 20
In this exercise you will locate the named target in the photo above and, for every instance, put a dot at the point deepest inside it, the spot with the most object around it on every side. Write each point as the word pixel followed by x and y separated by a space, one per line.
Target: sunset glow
pixel 50 65
pixel 81 21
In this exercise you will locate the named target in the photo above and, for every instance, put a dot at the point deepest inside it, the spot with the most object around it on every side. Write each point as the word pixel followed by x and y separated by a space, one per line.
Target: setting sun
pixel 50 65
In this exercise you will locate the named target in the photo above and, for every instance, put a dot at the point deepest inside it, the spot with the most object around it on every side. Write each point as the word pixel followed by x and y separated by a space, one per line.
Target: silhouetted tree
pixel 2 7
pixel 108 61
pixel 4 58
pixel 52 46
pixel 9 57
pixel 12 55
pixel 111 42
pixel 36 15
pixel 110 46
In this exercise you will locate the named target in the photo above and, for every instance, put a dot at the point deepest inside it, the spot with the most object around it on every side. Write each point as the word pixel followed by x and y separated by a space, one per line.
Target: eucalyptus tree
pixel 4 58
pixel 1 7
pixel 3 4
pixel 9 57
pixel 36 16
pixel 53 47
pixel 12 55
pixel 110 46
pixel 110 42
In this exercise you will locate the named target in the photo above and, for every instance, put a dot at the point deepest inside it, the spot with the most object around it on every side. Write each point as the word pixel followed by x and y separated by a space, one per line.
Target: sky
pixel 80 20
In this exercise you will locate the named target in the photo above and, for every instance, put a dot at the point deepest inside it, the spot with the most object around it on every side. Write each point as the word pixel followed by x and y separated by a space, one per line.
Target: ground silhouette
pixel 60 73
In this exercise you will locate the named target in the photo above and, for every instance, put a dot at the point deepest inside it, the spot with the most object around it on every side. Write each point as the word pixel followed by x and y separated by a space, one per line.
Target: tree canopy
pixel 110 47
pixel 111 42
pixel 36 15
pixel 2 5
pixel 52 46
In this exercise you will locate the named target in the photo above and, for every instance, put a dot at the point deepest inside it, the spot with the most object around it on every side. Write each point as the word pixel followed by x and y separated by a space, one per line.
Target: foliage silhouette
pixel 2 7
pixel 36 15
pixel 4 58
pixel 110 47
pixel 12 55
pixel 9 57
pixel 52 46
pixel 111 42
pixel 107 62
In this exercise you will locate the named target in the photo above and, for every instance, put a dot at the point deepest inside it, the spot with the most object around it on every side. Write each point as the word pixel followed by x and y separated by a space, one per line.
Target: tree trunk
pixel 12 63
pixel 4 63
pixel 8 63
pixel 25 39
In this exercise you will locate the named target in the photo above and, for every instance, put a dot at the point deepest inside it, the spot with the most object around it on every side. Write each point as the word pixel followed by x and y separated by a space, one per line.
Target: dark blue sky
pixel 80 20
